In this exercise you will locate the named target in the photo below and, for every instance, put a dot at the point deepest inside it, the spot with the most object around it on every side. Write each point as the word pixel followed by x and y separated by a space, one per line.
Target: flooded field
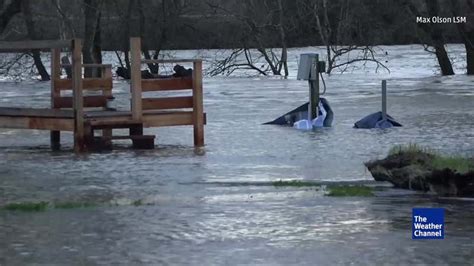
pixel 219 206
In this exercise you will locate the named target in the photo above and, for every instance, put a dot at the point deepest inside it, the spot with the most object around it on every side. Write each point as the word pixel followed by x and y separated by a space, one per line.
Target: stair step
pixel 132 137
pixel 113 124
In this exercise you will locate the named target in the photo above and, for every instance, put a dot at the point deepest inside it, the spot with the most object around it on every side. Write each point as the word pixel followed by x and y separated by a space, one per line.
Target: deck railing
pixel 139 105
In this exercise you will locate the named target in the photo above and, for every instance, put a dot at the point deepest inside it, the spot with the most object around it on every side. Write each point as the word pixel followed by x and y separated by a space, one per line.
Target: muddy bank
pixel 420 169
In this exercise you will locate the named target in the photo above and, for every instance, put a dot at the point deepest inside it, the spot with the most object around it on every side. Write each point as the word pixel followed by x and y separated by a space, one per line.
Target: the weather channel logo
pixel 428 223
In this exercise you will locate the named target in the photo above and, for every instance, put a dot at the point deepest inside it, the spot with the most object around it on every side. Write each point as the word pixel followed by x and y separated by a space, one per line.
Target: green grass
pixel 333 191
pixel 439 161
pixel 409 148
pixel 138 202
pixel 294 183
pixel 456 163
pixel 44 205
pixel 350 191
pixel 27 206
pixel 73 205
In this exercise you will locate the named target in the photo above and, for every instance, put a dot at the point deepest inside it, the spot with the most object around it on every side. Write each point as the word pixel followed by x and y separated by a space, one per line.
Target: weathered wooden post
pixel 55 136
pixel 384 99
pixel 77 95
pixel 136 78
pixel 107 74
pixel 198 113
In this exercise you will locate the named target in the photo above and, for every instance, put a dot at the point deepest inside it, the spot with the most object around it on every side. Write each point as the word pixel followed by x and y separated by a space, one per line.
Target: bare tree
pixel 284 50
pixel 8 11
pixel 259 19
pixel 92 52
pixel 66 27
pixel 166 17
pixel 336 24
pixel 130 25
pixel 30 27
pixel 238 59
pixel 466 30
pixel 434 31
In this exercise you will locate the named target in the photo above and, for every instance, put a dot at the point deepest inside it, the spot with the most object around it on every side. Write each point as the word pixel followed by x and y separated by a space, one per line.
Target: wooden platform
pixel 74 114
pixel 29 118
pixel 149 119
pixel 54 119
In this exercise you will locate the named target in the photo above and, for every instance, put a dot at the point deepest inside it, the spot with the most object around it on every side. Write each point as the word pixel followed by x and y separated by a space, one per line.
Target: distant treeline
pixel 207 24
pixel 342 26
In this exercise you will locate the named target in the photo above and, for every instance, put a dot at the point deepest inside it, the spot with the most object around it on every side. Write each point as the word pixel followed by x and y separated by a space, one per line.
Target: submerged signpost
pixel 316 112
pixel 384 99
pixel 308 70
pixel 379 119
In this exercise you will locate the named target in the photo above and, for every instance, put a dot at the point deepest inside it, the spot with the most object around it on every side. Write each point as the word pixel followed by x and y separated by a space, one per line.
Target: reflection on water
pixel 217 206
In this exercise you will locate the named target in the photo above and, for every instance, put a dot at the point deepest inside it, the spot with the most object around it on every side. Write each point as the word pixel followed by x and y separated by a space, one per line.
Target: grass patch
pixel 350 191
pixel 44 205
pixel 294 183
pixel 457 163
pixel 409 148
pixel 73 205
pixel 138 202
pixel 437 161
pixel 27 206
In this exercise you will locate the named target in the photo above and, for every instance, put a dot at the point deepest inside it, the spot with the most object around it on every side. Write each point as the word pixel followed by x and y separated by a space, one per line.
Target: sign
pixel 428 223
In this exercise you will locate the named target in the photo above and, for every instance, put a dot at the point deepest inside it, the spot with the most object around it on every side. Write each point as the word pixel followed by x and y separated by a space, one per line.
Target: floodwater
pixel 217 205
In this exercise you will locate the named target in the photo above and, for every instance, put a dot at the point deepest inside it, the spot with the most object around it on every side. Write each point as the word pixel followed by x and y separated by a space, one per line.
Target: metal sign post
pixel 308 70
pixel 384 99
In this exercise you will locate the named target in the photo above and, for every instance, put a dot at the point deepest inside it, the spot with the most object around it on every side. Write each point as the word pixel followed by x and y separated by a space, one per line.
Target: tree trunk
pixel 11 9
pixel 91 49
pixel 435 32
pixel 284 50
pixel 39 66
pixel 470 58
pixel 325 32
pixel 438 40
pixel 97 48
pixel 469 38
pixel 443 60
pixel 28 17
pixel 153 67
pixel 466 30
pixel 66 28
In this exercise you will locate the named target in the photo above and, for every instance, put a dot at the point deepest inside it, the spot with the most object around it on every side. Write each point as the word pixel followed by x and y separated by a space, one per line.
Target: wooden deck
pixel 71 114
pixel 54 119
pixel 149 119
pixel 35 112
pixel 29 118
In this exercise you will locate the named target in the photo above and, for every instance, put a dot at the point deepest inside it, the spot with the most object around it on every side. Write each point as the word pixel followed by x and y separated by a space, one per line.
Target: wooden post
pixel 384 99
pixel 65 61
pixel 198 112
pixel 136 130
pixel 136 79
pixel 314 88
pixel 79 133
pixel 88 136
pixel 55 136
pixel 107 73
